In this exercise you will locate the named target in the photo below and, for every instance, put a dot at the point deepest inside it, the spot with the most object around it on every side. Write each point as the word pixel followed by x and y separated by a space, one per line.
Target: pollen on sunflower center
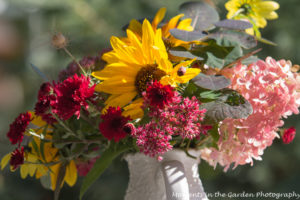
pixel 146 75
pixel 247 8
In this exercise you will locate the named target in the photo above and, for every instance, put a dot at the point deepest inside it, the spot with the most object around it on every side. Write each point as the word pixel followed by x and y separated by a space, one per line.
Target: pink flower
pixel 18 128
pixel 271 88
pixel 17 158
pixel 112 126
pixel 288 135
pixel 71 95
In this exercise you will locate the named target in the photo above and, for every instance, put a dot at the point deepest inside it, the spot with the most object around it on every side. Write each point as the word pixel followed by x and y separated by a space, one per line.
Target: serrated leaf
pixel 101 164
pixel 211 82
pixel 187 36
pixel 184 54
pixel 203 15
pixel 223 108
pixel 209 95
pixel 230 37
pixel 234 24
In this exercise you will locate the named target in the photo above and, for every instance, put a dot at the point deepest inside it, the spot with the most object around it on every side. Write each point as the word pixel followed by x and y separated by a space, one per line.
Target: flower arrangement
pixel 192 82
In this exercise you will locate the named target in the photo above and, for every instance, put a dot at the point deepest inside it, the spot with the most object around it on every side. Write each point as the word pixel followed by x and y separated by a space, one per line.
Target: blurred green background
pixel 26 27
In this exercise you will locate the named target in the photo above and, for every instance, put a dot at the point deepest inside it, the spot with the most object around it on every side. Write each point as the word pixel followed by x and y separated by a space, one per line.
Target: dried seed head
pixel 59 40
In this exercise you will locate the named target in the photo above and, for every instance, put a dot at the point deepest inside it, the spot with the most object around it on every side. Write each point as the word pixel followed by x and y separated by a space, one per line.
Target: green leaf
pixel 101 164
pixel 203 15
pixel 234 24
pixel 187 36
pixel 209 95
pixel 46 181
pixel 211 82
pixel 233 38
pixel 229 105
pixel 236 53
pixel 213 61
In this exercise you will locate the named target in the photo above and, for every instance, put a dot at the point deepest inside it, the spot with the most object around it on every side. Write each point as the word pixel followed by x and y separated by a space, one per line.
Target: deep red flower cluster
pixel 42 107
pixel 71 95
pixel 112 126
pixel 18 127
pixel 17 158
pixel 158 95
pixel 288 135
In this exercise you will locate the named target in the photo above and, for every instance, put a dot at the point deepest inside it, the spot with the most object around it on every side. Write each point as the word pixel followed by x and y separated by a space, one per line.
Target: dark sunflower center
pixel 146 75
pixel 247 9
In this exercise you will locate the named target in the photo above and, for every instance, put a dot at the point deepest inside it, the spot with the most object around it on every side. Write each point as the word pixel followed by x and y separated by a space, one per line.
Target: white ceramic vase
pixel 176 177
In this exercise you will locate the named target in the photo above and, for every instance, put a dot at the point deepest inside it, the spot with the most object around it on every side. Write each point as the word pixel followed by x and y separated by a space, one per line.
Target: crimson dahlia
pixel 112 126
pixel 42 107
pixel 18 128
pixel 158 95
pixel 72 94
pixel 17 158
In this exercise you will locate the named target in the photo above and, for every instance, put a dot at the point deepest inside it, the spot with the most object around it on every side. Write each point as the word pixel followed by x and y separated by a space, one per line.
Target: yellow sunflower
pixel 133 64
pixel 48 164
pixel 256 11
pixel 175 22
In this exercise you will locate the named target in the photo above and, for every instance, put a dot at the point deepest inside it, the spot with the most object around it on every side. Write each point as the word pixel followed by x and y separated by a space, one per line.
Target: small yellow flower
pixel 255 11
pixel 131 65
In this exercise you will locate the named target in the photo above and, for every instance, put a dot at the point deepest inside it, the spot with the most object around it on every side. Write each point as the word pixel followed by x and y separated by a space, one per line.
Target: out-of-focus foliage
pixel 88 24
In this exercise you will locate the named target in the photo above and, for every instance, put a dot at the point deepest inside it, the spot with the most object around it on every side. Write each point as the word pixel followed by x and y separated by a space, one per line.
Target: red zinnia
pixel 289 135
pixel 42 107
pixel 113 123
pixel 17 158
pixel 18 127
pixel 71 95
pixel 158 95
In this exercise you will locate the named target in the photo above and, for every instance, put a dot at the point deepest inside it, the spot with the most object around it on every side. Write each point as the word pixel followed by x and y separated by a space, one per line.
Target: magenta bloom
pixel 158 95
pixel 18 128
pixel 71 95
pixel 17 158
pixel 288 135
pixel 42 107
pixel 112 126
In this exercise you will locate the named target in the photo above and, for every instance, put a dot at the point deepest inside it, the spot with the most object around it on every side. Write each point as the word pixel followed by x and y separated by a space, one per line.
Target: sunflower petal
pixel 158 17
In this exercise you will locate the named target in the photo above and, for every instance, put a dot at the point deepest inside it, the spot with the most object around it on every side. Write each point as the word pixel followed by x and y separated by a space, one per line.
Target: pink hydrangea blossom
pixel 273 91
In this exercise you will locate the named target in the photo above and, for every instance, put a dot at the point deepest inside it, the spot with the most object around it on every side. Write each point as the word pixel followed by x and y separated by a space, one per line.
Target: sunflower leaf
pixel 211 82
pixel 203 15
pixel 187 36
pixel 234 24
pixel 184 54
pixel 229 105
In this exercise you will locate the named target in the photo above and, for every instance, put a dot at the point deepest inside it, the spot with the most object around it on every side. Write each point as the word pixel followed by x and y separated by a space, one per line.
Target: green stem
pixel 74 59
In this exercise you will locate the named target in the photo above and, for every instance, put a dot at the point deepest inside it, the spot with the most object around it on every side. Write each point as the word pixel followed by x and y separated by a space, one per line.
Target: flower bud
pixel 181 71
pixel 288 135
pixel 129 128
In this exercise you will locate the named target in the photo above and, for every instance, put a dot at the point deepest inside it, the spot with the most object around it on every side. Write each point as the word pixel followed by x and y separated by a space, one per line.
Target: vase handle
pixel 177 187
